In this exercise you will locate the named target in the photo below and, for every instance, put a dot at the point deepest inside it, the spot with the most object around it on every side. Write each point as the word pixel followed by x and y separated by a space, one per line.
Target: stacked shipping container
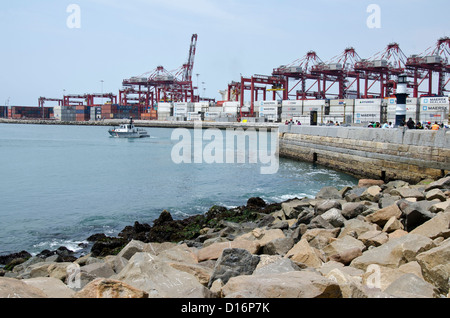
pixel 82 113
pixel 115 111
pixel 165 110
pixel 22 112
pixel 65 113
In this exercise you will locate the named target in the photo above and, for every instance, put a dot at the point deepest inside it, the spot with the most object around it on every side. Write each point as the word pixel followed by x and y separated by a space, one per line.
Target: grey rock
pixel 435 194
pixel 411 286
pixel 436 266
pixel 443 183
pixel 278 246
pixel 408 193
pixel 104 270
pixel 319 222
pixel 351 210
pixel 233 262
pixel 281 265
pixel 334 217
pixel 387 200
pixel 305 216
pixel 329 193
pixel 327 205
pixel 415 214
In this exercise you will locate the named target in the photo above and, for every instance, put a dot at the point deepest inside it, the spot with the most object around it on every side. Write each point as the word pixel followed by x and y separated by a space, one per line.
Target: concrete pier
pixel 388 154
pixel 145 123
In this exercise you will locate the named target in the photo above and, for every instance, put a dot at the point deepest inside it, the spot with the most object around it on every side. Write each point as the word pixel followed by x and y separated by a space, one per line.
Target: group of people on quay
pixel 410 124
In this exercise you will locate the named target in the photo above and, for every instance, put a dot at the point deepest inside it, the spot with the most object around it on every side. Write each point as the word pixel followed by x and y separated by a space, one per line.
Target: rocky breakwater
pixel 368 241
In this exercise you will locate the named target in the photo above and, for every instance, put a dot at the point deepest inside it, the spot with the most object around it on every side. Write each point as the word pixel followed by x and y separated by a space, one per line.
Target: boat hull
pixel 127 135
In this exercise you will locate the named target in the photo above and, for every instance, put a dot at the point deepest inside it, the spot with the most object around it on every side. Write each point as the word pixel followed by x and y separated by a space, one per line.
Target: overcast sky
pixel 42 55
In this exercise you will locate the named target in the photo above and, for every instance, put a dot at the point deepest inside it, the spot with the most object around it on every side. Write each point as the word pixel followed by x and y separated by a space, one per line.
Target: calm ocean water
pixel 61 184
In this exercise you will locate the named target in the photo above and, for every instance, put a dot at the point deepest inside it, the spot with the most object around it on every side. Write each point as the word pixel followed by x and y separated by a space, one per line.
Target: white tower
pixel 402 94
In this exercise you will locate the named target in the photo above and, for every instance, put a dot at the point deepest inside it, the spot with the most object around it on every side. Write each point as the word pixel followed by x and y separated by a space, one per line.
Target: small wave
pixel 74 246
pixel 285 197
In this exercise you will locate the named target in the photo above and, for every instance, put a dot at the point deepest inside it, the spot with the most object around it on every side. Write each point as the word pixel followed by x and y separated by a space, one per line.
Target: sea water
pixel 60 184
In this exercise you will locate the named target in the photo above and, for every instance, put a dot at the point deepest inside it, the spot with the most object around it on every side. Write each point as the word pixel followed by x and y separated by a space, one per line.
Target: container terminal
pixel 346 90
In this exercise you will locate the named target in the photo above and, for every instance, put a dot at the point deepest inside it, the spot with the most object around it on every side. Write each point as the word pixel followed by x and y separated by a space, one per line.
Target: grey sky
pixel 41 56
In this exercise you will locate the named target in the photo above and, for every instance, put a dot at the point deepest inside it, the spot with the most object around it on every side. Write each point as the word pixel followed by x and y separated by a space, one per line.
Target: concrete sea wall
pixel 388 154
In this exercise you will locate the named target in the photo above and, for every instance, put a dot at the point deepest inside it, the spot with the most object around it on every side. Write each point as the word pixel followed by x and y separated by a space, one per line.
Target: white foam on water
pixel 56 243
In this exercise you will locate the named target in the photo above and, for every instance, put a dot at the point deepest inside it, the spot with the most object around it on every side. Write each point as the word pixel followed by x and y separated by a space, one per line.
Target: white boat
pixel 128 131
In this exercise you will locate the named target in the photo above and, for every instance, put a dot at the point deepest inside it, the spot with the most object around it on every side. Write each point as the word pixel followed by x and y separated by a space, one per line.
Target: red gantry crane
pixel 380 69
pixel 299 71
pixel 434 60
pixel 162 85
pixel 339 70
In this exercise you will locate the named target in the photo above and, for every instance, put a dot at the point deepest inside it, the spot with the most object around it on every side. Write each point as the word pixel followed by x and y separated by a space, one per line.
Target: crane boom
pixel 187 76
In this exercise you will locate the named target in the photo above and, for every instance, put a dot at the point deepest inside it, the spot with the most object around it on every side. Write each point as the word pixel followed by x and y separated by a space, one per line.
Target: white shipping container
pixel 366 117
pixel 268 103
pixel 201 104
pixel 314 103
pixel 367 108
pixel 368 102
pixel 292 103
pixel 212 114
pixel 230 109
pixel 409 101
pixel 231 104
pixel 180 108
pixel 165 105
pixel 268 109
pixel 433 117
pixel 193 116
pixel 181 104
pixel 291 108
pixel 428 101
pixel 340 102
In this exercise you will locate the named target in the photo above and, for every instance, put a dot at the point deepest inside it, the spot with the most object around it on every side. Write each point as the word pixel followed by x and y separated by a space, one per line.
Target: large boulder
pixel 292 208
pixel 350 286
pixel 436 265
pixel 343 246
pixel 262 236
pixel 334 217
pixel 406 192
pixel 274 264
pixel 411 286
pixel 296 284
pixel 213 251
pixel 326 205
pixel 395 252
pixel 108 288
pixel 381 216
pixel 415 213
pixel 443 183
pixel 233 262
pixel 438 226
pixel 351 210
pixel 329 193
pixel 149 273
pixel 51 287
pixel 14 288
pixel 373 238
pixel 303 253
